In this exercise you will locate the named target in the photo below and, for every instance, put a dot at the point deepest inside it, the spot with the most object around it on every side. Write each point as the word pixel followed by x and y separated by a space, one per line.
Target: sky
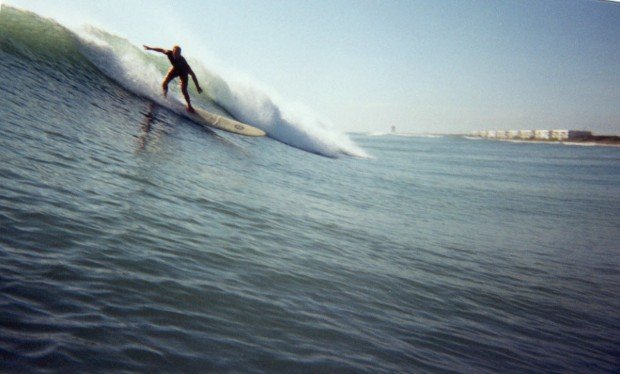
pixel 424 66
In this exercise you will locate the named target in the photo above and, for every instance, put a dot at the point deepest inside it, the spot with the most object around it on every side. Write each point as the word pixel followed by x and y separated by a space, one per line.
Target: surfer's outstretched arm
pixel 160 50
pixel 191 72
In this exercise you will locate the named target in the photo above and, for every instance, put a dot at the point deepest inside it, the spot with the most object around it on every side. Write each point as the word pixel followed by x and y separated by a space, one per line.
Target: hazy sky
pixel 422 66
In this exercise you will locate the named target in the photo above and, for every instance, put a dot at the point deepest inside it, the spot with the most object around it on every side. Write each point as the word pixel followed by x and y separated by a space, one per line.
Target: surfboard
pixel 209 119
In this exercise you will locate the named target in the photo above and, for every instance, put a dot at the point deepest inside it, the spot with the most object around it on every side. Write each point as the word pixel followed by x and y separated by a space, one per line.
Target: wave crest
pixel 291 124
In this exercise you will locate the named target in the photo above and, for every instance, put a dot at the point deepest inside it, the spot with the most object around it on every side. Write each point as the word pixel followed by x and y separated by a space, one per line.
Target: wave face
pixel 141 72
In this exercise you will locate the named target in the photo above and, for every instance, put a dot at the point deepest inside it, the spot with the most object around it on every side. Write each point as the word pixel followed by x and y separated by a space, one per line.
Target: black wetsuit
pixel 180 67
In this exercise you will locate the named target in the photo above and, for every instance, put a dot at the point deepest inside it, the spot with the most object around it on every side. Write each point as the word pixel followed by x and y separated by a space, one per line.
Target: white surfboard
pixel 213 120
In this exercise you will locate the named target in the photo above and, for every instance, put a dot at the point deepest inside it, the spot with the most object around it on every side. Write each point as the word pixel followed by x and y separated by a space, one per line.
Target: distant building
pixel 526 134
pixel 541 135
pixel 393 129
pixel 512 134
pixel 557 134
pixel 569 134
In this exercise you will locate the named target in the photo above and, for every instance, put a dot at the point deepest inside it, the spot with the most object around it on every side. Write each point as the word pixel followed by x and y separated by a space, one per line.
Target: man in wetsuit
pixel 180 68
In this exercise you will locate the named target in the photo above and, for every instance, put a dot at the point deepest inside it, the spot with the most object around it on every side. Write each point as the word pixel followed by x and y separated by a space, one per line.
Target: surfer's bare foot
pixel 190 109
pixel 165 92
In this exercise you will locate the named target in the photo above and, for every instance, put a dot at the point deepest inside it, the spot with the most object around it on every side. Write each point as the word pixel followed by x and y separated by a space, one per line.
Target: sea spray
pixel 290 123
pixel 129 66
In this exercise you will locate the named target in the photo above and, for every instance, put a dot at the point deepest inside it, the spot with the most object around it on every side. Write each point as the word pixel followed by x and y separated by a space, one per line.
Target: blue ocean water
pixel 134 240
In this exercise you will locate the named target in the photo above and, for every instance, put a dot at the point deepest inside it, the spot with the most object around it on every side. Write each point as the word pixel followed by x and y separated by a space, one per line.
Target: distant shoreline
pixel 589 140
pixel 601 140
pixel 578 137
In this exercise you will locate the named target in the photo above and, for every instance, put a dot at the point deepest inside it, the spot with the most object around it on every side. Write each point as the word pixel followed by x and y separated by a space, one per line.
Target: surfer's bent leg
pixel 184 82
pixel 172 73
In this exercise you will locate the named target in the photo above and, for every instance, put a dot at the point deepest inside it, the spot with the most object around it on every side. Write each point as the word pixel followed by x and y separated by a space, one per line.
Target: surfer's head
pixel 176 51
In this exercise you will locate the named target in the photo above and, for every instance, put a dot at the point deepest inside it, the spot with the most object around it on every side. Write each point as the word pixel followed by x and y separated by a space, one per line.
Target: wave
pixel 140 73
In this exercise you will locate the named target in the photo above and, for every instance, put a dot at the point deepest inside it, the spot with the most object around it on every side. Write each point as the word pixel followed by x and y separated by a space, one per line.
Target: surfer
pixel 180 68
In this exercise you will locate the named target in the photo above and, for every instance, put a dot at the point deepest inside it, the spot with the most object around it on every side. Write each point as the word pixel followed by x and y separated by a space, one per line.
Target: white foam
pixel 288 122
pixel 129 67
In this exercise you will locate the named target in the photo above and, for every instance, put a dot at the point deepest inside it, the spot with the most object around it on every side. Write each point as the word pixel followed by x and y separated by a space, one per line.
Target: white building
pixel 541 134
pixel 569 134
pixel 512 134
pixel 526 134
pixel 558 134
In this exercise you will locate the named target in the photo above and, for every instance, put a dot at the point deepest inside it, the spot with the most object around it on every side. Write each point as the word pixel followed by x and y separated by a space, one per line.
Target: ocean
pixel 134 240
